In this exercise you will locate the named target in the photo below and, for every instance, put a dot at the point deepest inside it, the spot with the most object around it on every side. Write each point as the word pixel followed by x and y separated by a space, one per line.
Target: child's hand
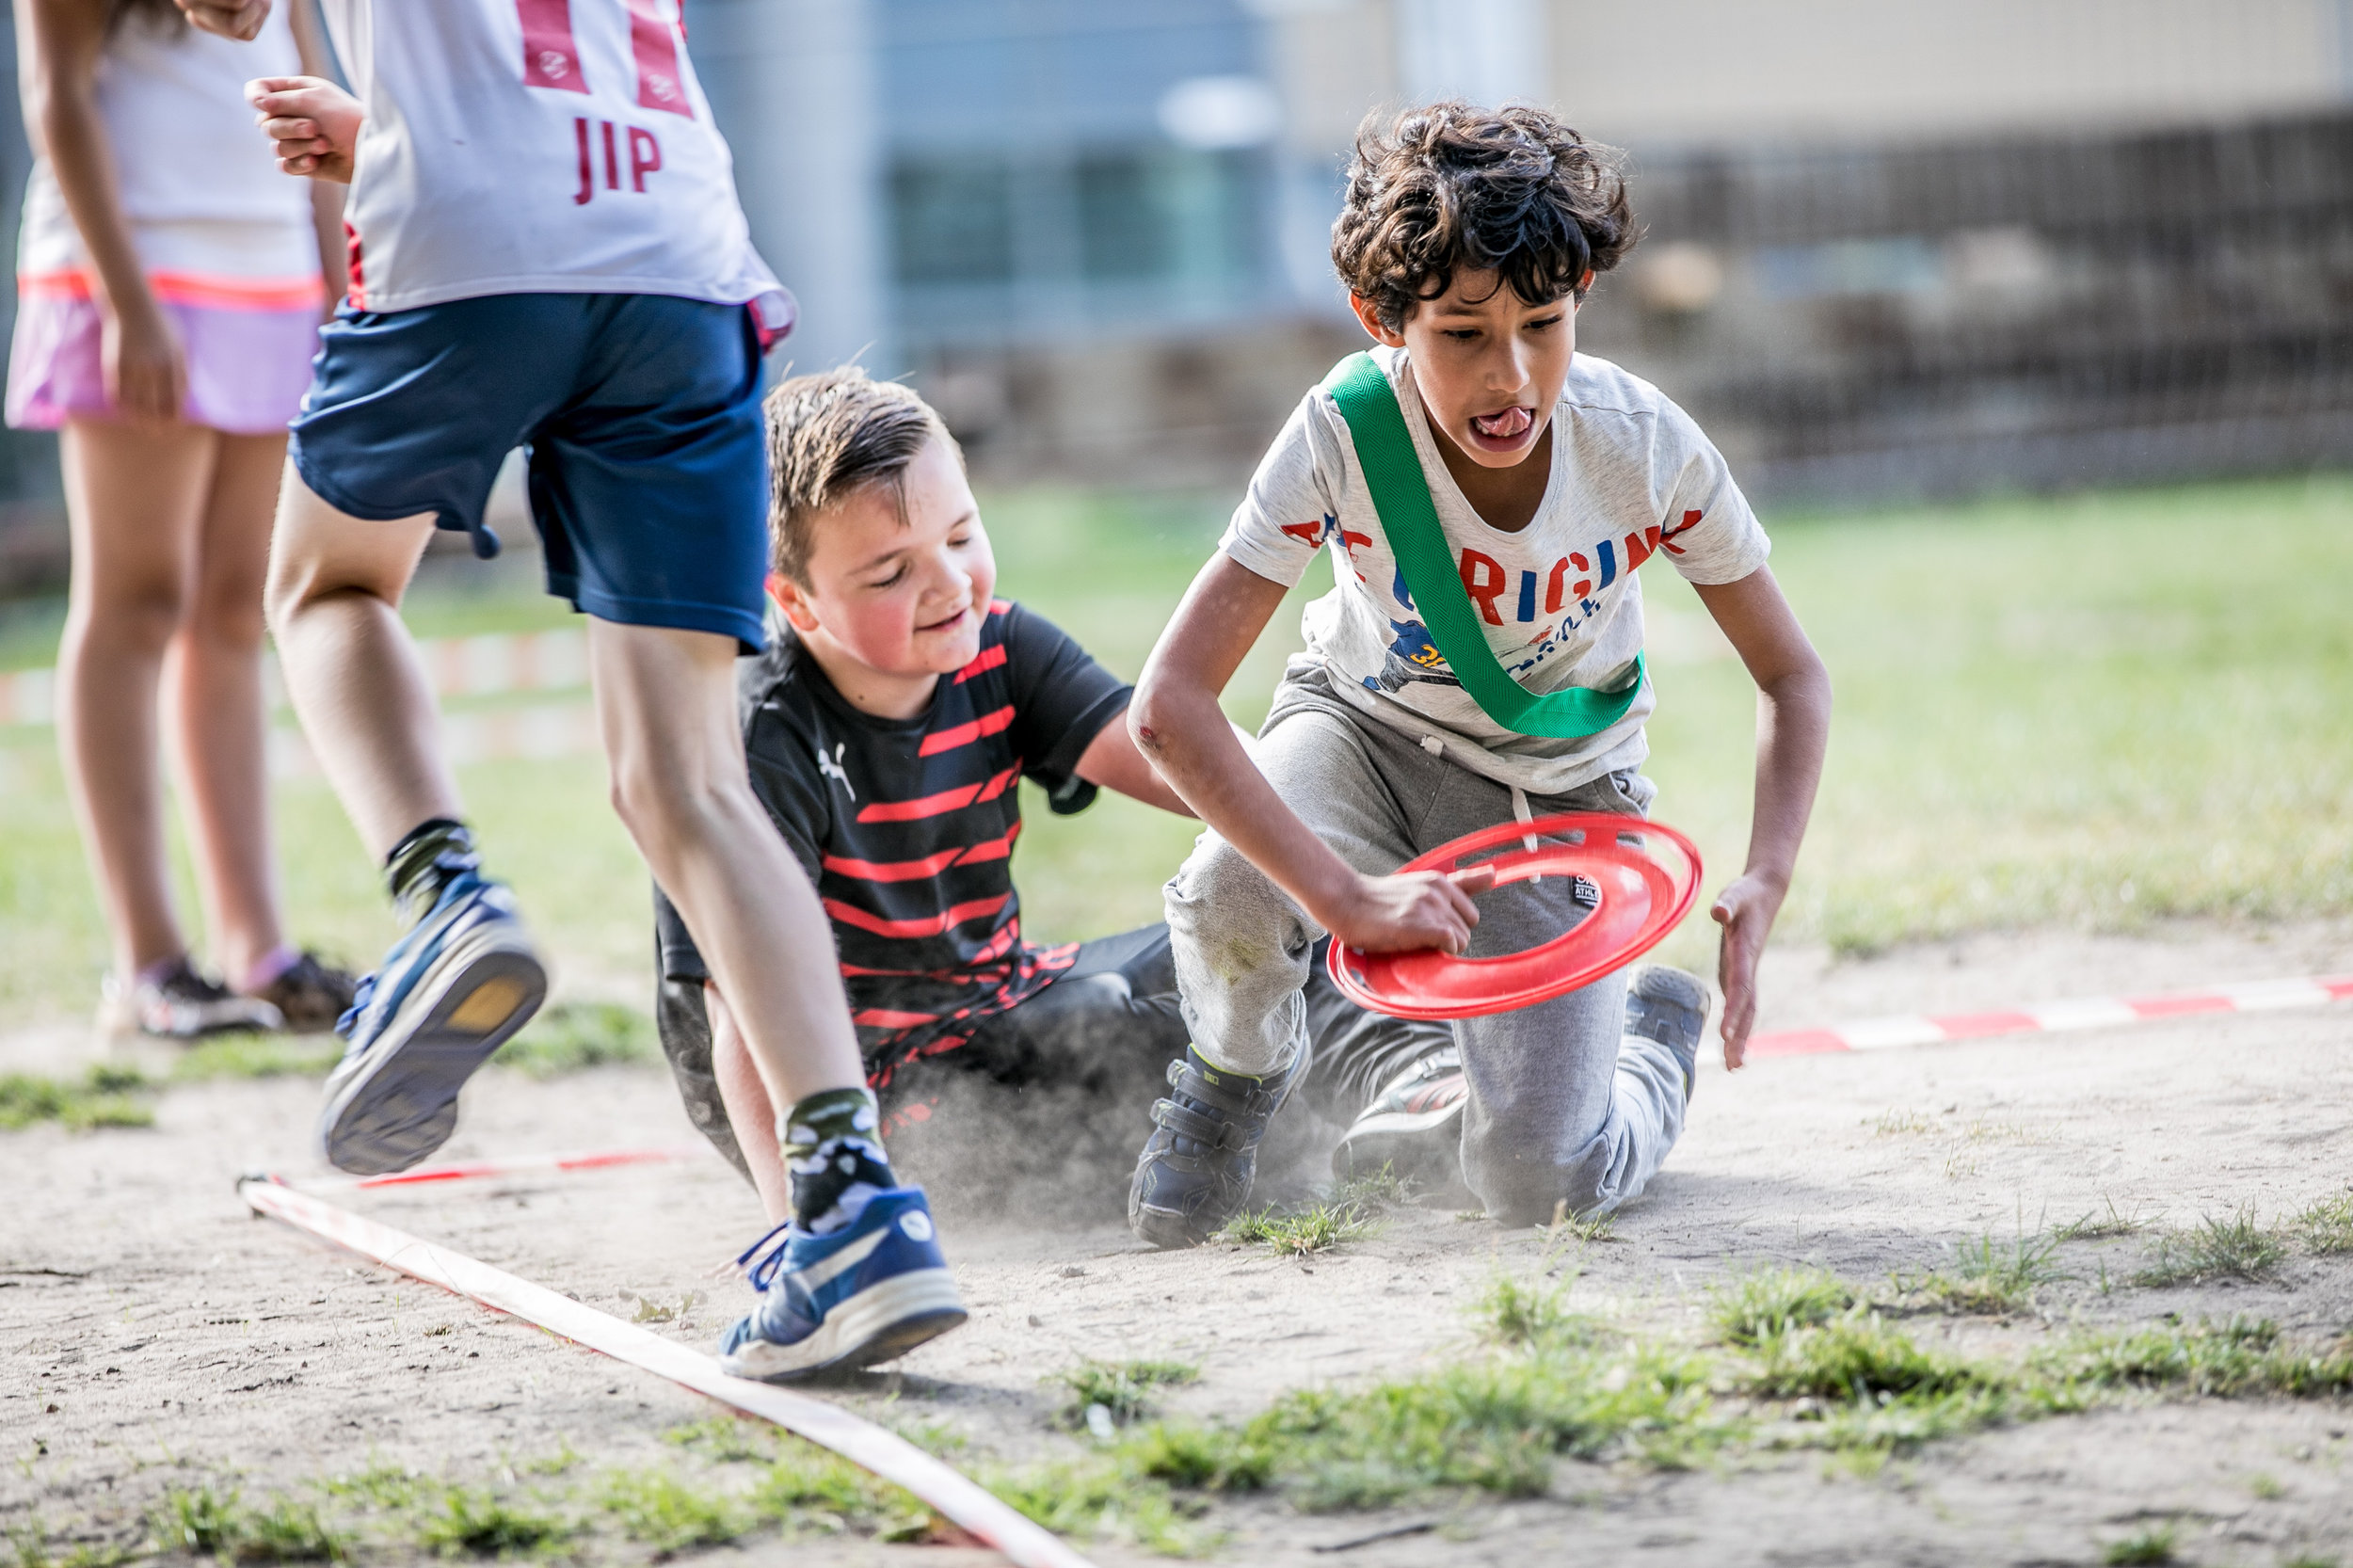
pixel 315 124
pixel 141 360
pixel 238 18
pixel 1412 910
pixel 1746 911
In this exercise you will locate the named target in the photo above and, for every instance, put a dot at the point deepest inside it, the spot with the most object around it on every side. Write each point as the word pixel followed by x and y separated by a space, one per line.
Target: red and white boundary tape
pixel 492 665
pixel 1916 1029
pixel 887 1454
pixel 524 1164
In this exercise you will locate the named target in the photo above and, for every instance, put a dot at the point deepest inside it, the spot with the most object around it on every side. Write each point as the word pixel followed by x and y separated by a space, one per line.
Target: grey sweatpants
pixel 1564 1104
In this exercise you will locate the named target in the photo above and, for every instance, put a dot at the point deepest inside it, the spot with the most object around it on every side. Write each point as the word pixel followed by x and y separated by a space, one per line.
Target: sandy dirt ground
pixel 154 1334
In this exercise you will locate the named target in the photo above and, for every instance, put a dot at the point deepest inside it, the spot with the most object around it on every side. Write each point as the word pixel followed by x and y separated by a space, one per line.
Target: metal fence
pixel 2029 312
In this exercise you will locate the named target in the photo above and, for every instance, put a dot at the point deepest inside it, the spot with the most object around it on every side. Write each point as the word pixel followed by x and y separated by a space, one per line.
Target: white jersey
pixel 213 220
pixel 538 145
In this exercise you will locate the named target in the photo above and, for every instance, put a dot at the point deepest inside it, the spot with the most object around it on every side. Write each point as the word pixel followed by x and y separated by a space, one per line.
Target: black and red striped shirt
pixel 907 826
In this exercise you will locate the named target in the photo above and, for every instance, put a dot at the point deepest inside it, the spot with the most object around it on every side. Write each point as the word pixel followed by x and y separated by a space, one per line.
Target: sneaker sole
pixel 382 1120
pixel 1167 1229
pixel 881 1322
pixel 1403 1141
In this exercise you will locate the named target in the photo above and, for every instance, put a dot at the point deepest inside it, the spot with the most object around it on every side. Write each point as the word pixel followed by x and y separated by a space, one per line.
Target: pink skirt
pixel 247 368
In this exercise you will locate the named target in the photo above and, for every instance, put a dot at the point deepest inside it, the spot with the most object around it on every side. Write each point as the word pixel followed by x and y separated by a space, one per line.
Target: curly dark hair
pixel 1450 186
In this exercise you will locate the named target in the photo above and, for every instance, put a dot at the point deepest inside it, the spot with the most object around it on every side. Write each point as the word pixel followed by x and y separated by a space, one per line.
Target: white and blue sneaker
pixel 870 1291
pixel 453 990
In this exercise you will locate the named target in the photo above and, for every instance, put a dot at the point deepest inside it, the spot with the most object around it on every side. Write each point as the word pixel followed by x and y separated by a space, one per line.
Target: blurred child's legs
pixel 1564 1106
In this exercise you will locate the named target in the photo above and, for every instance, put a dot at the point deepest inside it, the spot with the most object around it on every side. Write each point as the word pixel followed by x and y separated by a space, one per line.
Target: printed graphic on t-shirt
pixel 516 146
pixel 1631 479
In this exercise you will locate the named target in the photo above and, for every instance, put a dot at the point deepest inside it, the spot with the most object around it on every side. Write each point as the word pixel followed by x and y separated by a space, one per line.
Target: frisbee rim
pixel 1657 923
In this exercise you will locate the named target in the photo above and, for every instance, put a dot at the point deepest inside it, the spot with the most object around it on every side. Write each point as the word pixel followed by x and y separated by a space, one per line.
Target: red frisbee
pixel 1642 898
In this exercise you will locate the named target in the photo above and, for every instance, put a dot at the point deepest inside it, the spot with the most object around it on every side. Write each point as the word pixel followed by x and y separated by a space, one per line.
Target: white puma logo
pixel 830 767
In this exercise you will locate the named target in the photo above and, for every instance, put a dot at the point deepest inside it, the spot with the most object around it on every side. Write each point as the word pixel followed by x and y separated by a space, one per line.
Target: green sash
pixel 1401 493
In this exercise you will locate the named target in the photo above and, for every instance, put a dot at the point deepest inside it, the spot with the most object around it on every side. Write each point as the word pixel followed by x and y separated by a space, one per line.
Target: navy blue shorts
pixel 639 414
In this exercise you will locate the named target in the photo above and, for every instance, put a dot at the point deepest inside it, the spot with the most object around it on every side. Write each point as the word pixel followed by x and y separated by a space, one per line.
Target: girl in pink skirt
pixel 169 292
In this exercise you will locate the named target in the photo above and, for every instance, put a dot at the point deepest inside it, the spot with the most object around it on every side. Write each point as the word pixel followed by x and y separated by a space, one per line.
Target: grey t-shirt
pixel 1632 476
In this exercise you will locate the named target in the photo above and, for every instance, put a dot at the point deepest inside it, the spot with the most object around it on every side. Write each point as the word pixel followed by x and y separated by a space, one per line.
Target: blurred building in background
pixel 1894 247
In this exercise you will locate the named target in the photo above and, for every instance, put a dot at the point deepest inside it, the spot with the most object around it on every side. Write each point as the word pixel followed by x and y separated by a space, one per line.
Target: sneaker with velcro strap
pixel 1195 1171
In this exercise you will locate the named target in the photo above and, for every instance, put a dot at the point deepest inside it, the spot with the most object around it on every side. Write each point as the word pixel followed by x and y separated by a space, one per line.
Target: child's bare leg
pixel 335 585
pixel 665 705
pixel 220 721
pixel 463 977
pixel 132 495
pixel 749 1111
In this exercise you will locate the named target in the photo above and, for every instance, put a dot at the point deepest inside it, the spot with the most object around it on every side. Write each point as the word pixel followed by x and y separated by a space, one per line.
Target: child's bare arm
pixel 1114 762
pixel 1178 723
pixel 1792 732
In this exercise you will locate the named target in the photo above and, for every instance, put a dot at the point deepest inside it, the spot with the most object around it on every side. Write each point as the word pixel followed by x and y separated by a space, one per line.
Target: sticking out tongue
pixel 1502 426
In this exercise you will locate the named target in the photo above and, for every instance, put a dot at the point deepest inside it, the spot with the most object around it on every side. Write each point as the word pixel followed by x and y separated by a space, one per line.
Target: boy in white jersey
pixel 1467 240
pixel 546 251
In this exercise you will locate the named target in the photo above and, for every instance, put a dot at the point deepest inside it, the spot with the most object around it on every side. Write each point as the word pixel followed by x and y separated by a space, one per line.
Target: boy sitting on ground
pixel 1533 482
pixel 887 726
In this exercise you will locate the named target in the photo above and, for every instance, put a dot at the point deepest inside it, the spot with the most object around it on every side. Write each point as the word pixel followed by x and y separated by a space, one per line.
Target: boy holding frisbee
pixel 546 251
pixel 1535 481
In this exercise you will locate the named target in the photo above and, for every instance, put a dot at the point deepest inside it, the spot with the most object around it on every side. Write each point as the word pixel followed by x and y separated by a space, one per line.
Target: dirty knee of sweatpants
pixel 1530 1192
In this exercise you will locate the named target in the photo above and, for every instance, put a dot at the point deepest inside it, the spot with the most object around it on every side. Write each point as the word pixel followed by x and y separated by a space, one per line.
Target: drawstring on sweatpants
pixel 1519 809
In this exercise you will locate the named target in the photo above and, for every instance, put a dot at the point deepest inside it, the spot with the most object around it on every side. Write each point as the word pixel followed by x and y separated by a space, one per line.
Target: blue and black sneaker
pixel 870 1291
pixel 1670 1007
pixel 1195 1170
pixel 452 991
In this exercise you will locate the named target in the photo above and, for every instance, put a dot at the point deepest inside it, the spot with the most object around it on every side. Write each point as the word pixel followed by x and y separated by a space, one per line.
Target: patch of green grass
pixel 728 1439
pixel 2327 1227
pixel 256 1056
pixel 2242 1358
pixel 103 1097
pixel 1532 1314
pixel 1858 1357
pixel 289 1531
pixel 1373 1191
pixel 1211 1458
pixel 201 1520
pixel 1121 1389
pixel 1496 1425
pixel 571 1037
pixel 1300 1231
pixel 1989 1276
pixel 665 1513
pixel 1096 1497
pixel 382 1485
pixel 1586 1228
pixel 2232 1246
pixel 475 1522
pixel 1772 1301
pixel 2100 1227
pixel 806 1487
pixel 2143 1548
pixel 30 1547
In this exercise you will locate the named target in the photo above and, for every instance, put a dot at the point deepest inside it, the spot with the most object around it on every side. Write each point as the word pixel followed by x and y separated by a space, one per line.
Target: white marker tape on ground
pixel 2260 996
pixel 861 1442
